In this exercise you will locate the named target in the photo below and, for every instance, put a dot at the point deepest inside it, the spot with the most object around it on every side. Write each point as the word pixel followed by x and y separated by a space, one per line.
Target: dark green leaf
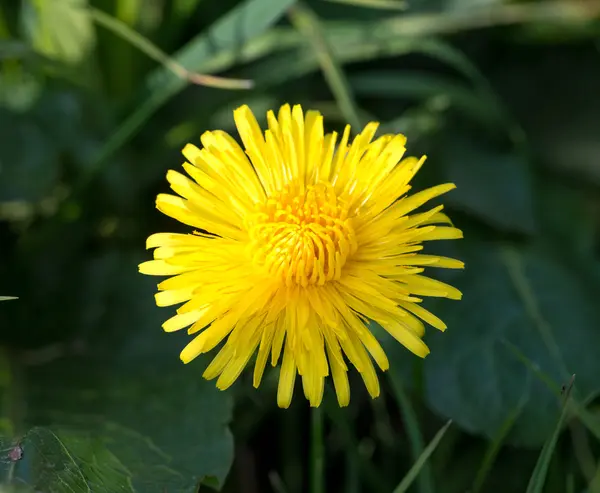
pixel 492 184
pixel 566 214
pixel 65 461
pixel 127 396
pixel 527 300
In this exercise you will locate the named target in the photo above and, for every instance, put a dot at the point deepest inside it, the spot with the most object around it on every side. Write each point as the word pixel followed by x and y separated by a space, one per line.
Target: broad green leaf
pixel 66 461
pixel 566 214
pixel 167 429
pixel 518 297
pixel 493 184
pixel 59 29
pixel 156 417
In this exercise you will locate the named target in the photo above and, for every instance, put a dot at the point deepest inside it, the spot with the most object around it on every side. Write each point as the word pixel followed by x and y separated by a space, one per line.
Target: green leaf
pixel 62 460
pixel 492 184
pixel 153 419
pixel 566 215
pixel 167 429
pixel 6 298
pixel 526 299
pixel 60 29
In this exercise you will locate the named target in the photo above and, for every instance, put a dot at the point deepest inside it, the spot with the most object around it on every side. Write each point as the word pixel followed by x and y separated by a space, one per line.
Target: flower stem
pixel 317 452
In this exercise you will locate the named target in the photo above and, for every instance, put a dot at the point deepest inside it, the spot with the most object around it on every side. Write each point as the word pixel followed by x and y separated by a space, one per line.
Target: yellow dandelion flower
pixel 302 241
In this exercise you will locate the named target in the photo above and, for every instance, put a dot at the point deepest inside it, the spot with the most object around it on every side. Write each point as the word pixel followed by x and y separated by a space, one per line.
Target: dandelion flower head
pixel 301 239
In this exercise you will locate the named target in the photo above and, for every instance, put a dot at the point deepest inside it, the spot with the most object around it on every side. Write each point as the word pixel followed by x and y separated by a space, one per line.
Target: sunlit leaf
pixel 60 29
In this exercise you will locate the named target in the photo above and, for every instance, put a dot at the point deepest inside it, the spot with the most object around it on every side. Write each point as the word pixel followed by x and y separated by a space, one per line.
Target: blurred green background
pixel 504 98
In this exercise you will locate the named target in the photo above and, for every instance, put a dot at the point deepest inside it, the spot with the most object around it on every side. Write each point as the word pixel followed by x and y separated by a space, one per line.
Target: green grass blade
pixel 375 4
pixel 216 49
pixel 146 46
pixel 590 421
pixel 229 41
pixel 418 465
pixel 308 24
pixel 496 444
pixel 421 85
pixel 538 477
pixel 6 298
pixel 425 478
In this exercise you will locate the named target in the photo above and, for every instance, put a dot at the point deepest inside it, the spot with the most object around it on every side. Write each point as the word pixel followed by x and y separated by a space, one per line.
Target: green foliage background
pixel 504 98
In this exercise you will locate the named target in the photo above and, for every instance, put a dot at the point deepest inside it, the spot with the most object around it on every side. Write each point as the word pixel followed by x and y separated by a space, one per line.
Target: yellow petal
pixel 287 377
pixel 407 338
pixel 179 322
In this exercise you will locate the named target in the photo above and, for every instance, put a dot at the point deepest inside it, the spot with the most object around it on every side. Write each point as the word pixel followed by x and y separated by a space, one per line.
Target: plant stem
pixel 317 452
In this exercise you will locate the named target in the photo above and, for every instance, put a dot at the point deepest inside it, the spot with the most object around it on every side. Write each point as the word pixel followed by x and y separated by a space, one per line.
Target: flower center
pixel 302 235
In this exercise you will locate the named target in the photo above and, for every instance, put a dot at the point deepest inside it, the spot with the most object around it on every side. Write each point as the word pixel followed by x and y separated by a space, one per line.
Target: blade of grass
pixel 146 46
pixel 375 4
pixel 425 478
pixel 214 50
pixel 308 24
pixel 276 482
pixel 538 477
pixel 590 421
pixel 594 485
pixel 420 462
pixel 583 454
pixel 516 272
pixel 421 85
pixel 6 298
pixel 351 42
pixel 496 444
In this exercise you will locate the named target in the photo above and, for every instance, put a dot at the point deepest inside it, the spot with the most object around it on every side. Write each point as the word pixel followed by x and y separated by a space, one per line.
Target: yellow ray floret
pixel 301 240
